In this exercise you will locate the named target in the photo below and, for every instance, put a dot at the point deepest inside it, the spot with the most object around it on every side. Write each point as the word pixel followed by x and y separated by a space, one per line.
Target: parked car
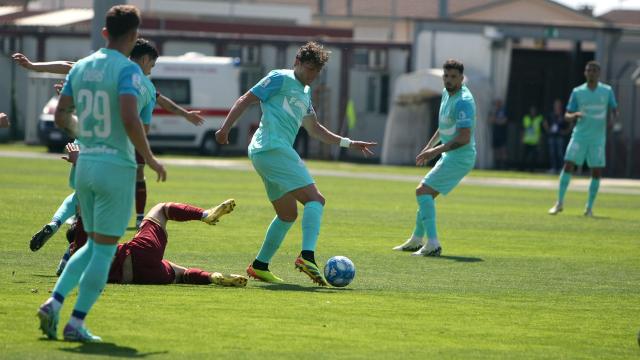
pixel 52 137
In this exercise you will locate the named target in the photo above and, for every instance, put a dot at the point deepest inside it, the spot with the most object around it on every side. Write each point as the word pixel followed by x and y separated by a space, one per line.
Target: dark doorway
pixel 538 77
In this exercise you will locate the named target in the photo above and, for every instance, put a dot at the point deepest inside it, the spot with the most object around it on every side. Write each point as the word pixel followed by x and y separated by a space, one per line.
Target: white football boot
pixel 555 209
pixel 428 250
pixel 413 244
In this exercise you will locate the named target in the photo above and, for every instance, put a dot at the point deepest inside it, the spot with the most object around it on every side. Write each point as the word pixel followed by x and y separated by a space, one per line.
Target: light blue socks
pixel 427 206
pixel 66 209
pixel 274 237
pixel 418 231
pixel 593 191
pixel 311 220
pixel 76 265
pixel 94 277
pixel 565 178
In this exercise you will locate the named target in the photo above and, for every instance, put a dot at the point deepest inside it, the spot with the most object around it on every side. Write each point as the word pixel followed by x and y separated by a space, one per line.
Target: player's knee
pixel 569 167
pixel 290 217
pixel 321 199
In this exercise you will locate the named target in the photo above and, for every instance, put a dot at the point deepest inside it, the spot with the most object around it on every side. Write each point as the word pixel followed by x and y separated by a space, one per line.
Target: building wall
pixel 177 48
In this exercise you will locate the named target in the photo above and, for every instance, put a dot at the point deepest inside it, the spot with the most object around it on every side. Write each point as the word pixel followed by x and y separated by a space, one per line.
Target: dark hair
pixel 314 53
pixel 453 64
pixel 143 47
pixel 121 19
pixel 593 63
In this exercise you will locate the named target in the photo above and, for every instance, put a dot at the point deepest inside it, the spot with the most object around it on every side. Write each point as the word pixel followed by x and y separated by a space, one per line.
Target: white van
pixel 209 84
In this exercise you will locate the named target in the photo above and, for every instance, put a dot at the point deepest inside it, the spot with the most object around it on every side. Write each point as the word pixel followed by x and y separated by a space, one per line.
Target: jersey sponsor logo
pixel 102 149
pixel 288 102
pixel 91 75
pixel 266 82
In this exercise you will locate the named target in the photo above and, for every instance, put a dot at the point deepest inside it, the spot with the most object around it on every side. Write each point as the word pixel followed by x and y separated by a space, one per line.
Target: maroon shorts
pixel 139 159
pixel 147 250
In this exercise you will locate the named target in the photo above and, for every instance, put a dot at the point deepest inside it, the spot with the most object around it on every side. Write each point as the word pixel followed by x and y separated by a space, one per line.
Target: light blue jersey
pixel 284 101
pixel 146 100
pixel 95 83
pixel 594 106
pixel 457 112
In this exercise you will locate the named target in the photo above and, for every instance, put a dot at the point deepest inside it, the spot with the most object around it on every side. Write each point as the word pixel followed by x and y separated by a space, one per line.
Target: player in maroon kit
pixel 140 260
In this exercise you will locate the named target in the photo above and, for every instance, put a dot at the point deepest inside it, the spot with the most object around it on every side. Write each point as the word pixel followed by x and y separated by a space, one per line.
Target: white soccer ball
pixel 339 271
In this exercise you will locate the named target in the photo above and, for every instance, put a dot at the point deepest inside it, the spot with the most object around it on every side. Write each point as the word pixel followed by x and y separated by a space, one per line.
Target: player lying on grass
pixel 141 259
pixel 145 55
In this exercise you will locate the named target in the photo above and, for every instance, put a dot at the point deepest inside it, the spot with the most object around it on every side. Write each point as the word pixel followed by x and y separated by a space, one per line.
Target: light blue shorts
pixel 281 170
pixel 593 151
pixel 448 172
pixel 105 192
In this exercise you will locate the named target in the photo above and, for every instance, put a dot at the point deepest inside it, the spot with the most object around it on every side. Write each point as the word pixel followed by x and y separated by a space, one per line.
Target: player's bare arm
pixel 243 102
pixel 435 139
pixel 462 139
pixel 63 115
pixel 169 105
pixel 135 131
pixel 54 67
pixel 572 116
pixel 4 120
pixel 317 131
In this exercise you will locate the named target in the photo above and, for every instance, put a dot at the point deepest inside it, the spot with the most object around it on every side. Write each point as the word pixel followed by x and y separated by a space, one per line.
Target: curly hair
pixel 452 64
pixel 313 53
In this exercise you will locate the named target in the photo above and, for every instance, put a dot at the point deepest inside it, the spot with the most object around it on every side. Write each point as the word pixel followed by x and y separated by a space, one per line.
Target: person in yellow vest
pixel 532 131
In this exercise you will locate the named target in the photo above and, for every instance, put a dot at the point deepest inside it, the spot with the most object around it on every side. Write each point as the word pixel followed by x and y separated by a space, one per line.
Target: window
pixel 377 59
pixel 178 90
pixel 361 58
pixel 248 54
pixel 249 76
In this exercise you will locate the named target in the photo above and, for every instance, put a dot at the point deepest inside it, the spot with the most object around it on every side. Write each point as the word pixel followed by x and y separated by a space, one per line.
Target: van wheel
pixel 209 145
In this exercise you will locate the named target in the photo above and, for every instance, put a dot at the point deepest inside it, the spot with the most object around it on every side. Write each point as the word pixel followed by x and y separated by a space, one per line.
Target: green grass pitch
pixel 513 282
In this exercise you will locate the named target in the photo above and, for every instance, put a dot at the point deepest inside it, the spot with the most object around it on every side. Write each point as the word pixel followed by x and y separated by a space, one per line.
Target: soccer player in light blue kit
pixel 144 54
pixel 589 107
pixel 456 128
pixel 285 99
pixel 104 87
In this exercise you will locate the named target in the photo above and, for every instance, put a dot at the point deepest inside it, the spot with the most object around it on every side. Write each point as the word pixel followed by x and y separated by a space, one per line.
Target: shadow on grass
pixel 294 287
pixel 594 217
pixel 131 228
pixel 45 276
pixel 464 259
pixel 109 349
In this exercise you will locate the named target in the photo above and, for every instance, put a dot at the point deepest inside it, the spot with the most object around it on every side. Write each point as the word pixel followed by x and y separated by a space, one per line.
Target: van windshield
pixel 178 90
